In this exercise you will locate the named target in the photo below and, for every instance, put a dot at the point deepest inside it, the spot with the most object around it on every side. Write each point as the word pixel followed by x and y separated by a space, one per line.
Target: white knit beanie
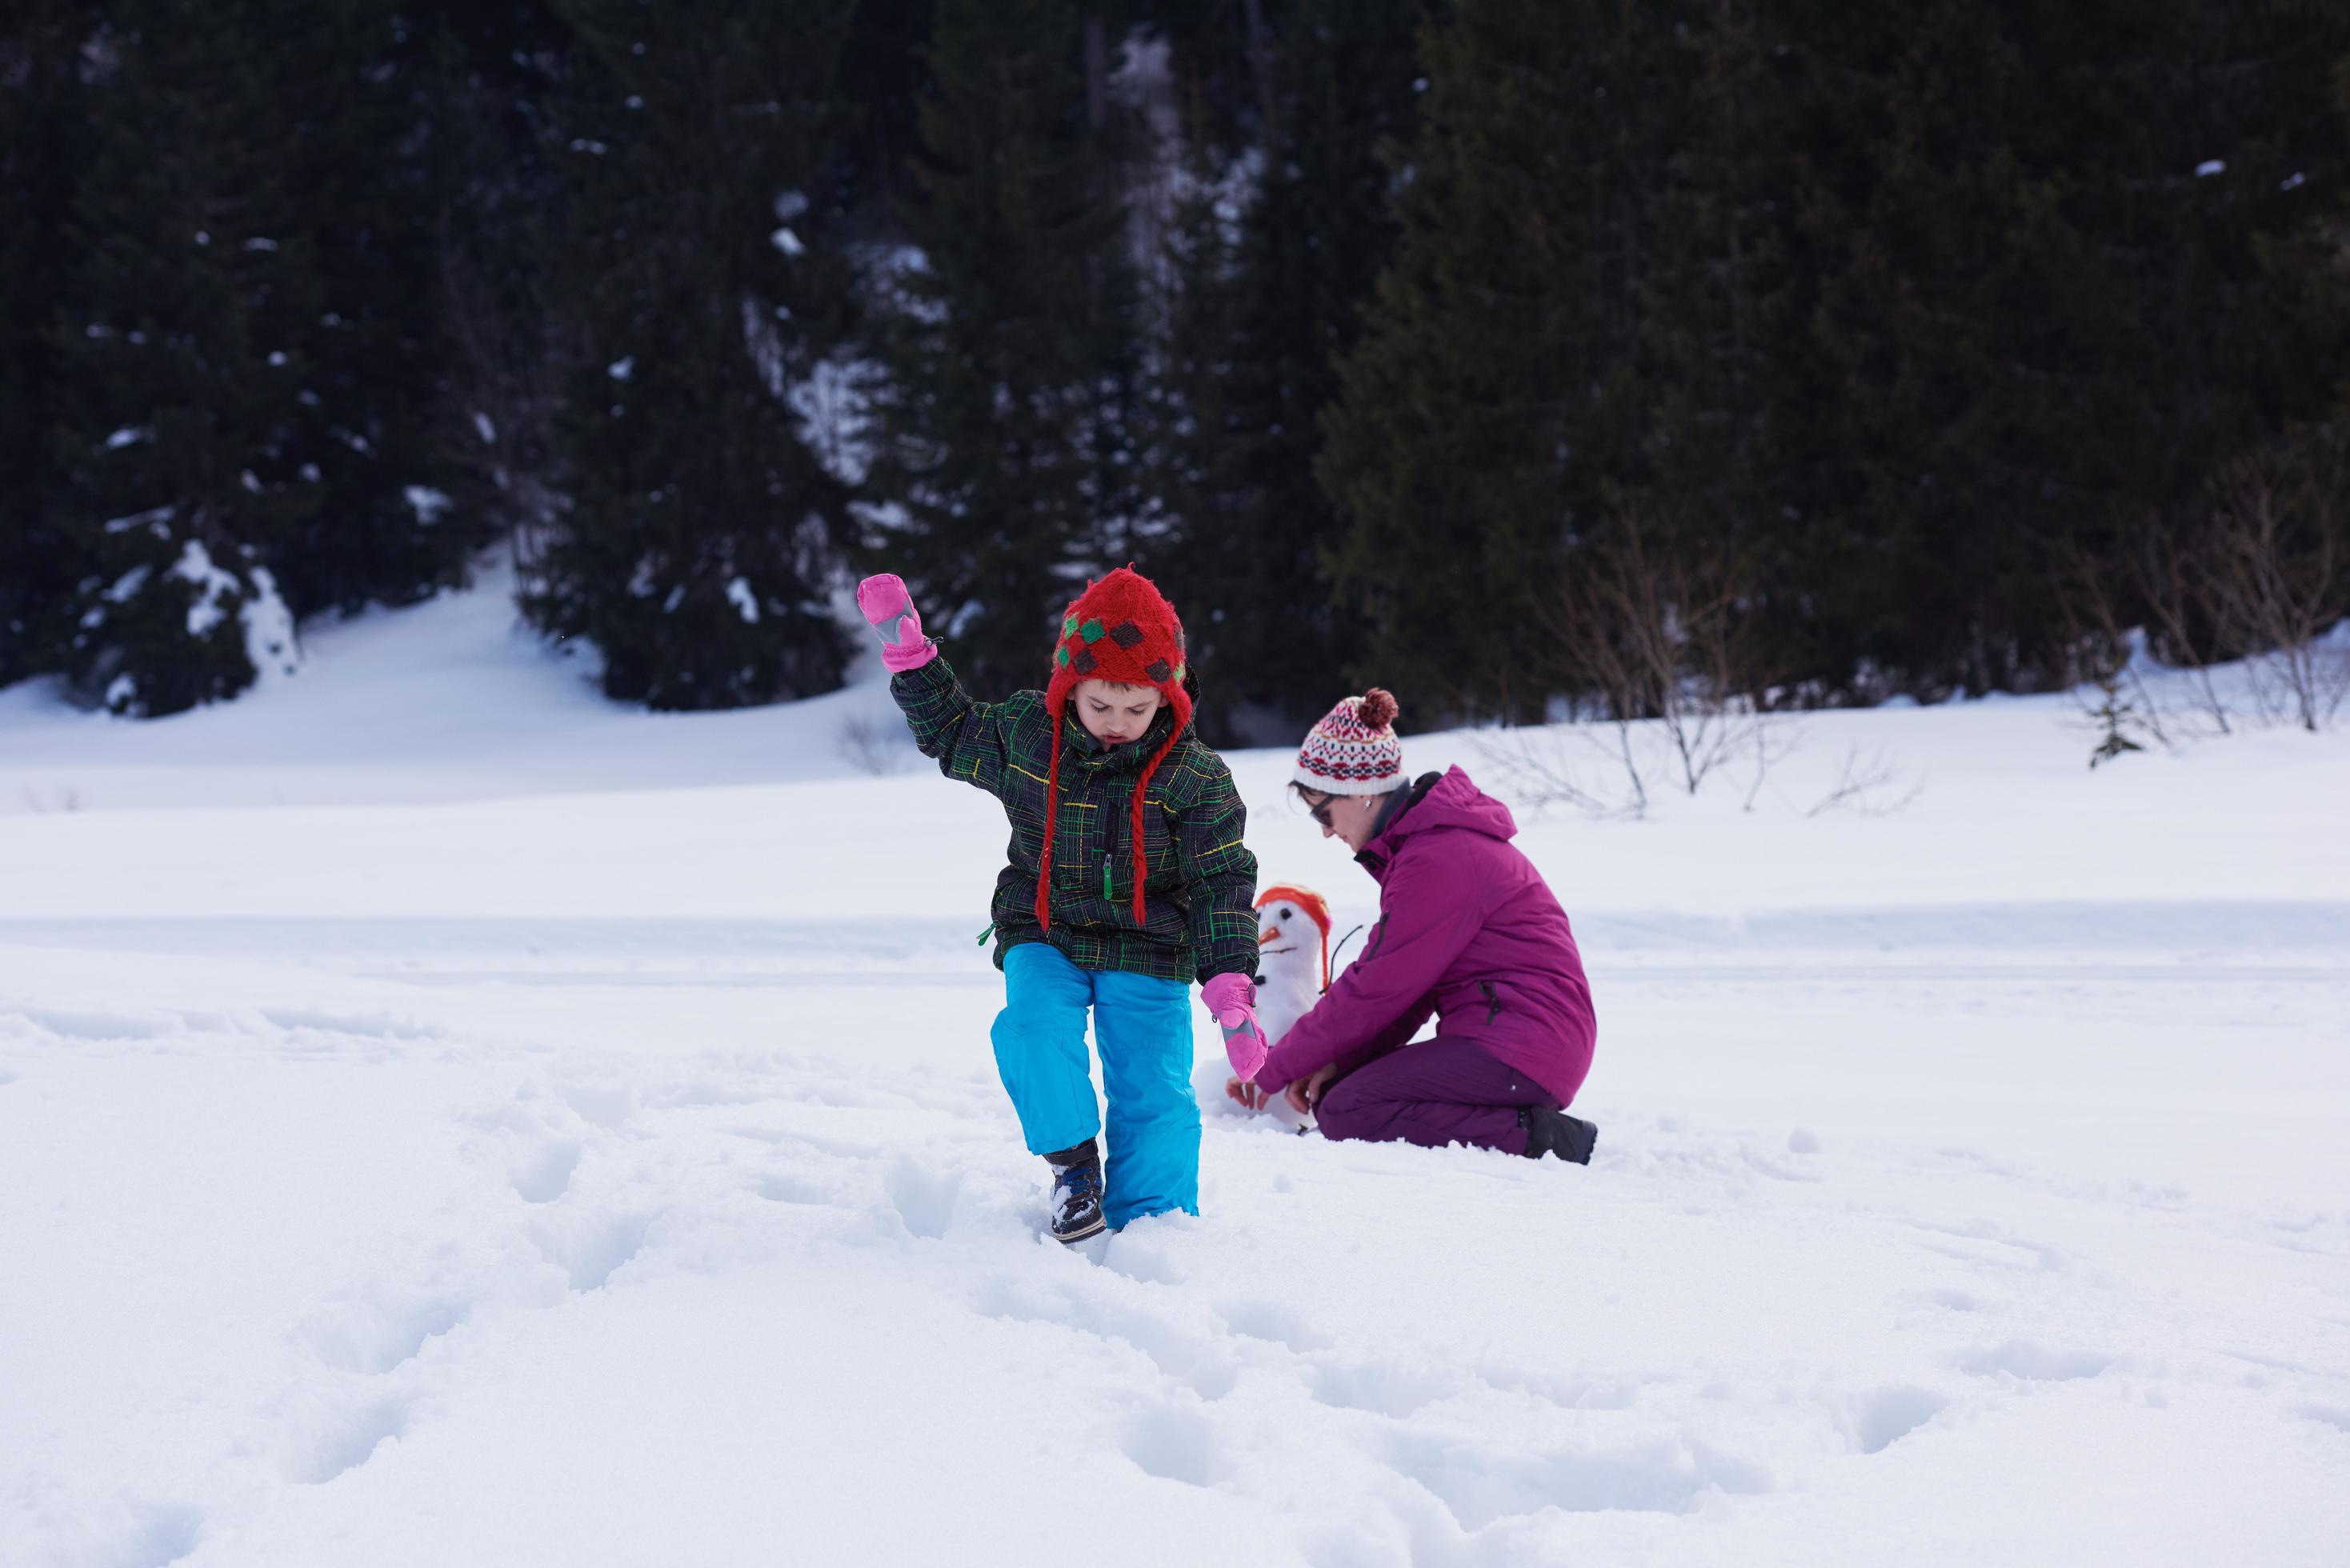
pixel 1354 749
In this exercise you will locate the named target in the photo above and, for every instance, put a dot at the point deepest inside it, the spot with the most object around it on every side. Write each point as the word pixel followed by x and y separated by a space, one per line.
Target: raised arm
pixel 966 738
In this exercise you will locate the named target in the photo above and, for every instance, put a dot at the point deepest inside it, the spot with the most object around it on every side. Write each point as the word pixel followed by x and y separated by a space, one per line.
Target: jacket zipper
pixel 1108 897
pixel 1492 1002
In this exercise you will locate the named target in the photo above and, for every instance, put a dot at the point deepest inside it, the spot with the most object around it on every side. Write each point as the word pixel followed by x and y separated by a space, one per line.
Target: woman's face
pixel 1115 714
pixel 1347 817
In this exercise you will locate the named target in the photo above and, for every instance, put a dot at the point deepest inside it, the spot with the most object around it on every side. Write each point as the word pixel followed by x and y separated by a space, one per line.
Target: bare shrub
pixel 1648 633
pixel 1546 767
pixel 1775 741
pixel 2259 577
pixel 876 745
pixel 1870 784
pixel 2277 573
pixel 2166 580
pixel 1652 628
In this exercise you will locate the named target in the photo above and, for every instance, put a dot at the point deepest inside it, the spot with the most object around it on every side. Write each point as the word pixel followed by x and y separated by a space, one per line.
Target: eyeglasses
pixel 1320 812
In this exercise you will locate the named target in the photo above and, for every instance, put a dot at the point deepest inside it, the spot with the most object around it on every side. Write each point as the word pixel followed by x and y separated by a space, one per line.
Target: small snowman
pixel 1292 970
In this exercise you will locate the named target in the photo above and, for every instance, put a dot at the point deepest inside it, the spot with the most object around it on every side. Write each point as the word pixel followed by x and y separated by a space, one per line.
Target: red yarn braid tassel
pixel 1141 788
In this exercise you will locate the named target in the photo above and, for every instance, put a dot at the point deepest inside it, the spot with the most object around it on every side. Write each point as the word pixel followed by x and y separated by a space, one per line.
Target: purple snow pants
pixel 1432 1094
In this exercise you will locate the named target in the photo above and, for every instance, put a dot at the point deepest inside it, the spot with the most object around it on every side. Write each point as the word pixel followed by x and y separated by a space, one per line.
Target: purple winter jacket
pixel 1468 931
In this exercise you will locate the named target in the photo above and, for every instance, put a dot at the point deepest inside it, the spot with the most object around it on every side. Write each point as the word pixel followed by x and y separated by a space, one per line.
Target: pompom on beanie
pixel 1121 629
pixel 1353 750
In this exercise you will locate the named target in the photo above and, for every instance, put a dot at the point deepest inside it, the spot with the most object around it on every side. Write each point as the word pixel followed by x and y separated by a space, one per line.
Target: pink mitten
pixel 884 602
pixel 1232 1001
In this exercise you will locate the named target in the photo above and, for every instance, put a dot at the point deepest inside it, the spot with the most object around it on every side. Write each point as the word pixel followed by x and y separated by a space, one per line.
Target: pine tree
pixel 1251 355
pixel 2034 243
pixel 245 351
pixel 1493 414
pixel 696 544
pixel 42 147
pixel 1002 435
pixel 1713 317
pixel 185 424
pixel 358 85
pixel 483 81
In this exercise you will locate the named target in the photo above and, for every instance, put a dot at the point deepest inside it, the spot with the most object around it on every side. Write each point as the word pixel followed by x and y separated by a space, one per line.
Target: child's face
pixel 1115 714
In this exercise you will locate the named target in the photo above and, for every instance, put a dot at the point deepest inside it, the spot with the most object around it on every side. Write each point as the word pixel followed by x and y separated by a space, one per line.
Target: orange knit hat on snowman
pixel 1353 750
pixel 1119 629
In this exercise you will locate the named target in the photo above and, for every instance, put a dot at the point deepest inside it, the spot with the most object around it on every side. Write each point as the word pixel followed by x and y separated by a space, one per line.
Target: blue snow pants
pixel 1143 1026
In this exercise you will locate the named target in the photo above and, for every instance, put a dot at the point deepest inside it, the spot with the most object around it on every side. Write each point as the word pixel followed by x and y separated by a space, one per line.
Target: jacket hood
pixel 1453 801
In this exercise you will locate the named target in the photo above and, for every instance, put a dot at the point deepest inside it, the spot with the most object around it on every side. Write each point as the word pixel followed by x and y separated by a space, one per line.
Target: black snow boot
pixel 1557 1133
pixel 1076 1192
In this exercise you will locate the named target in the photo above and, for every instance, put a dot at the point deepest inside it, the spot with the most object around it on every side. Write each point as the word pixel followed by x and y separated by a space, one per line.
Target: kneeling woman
pixel 1468 933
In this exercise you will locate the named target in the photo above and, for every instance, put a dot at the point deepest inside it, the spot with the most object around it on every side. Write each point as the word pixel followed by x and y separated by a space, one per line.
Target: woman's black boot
pixel 1557 1133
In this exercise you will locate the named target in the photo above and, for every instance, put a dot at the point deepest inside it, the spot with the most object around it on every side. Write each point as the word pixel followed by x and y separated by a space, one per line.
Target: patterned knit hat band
pixel 1353 750
pixel 1121 629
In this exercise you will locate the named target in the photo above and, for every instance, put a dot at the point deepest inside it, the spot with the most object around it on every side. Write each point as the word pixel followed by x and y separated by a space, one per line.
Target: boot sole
pixel 1070 1238
pixel 1584 1145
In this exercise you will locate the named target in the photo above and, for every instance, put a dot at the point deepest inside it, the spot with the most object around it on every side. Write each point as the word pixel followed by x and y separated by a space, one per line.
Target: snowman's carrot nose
pixel 1267 935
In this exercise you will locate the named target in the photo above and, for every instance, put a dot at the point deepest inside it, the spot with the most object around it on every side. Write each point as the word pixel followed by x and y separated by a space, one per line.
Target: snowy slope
pixel 446 1118
pixel 449 701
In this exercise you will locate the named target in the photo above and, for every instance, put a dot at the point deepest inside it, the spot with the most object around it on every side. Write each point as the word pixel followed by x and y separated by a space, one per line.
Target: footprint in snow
pixel 1140 1258
pixel 2021 1358
pixel 1567 1393
pixel 1382 1387
pixel 1270 1321
pixel 360 1026
pixel 783 1187
pixel 602 1105
pixel 1880 1420
pixel 316 1450
pixel 1179 1356
pixel 1173 1443
pixel 924 1198
pixel 1481 1485
pixel 544 1173
pixel 374 1334
pixel 76 1025
pixel 590 1249
pixel 152 1534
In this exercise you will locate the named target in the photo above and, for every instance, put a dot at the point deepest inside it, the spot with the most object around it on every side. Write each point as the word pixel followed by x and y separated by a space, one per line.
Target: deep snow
pixel 444 1117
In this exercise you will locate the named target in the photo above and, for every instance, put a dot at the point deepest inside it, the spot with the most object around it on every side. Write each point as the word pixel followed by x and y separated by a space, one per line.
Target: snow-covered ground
pixel 445 1119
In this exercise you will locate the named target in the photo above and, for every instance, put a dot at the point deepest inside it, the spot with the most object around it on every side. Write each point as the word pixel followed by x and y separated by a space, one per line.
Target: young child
pixel 1128 878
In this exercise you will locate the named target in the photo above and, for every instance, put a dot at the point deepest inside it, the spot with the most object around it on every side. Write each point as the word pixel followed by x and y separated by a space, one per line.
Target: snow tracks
pixel 320 1268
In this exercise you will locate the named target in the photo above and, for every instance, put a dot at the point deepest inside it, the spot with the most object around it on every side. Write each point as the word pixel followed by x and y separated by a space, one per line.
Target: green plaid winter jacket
pixel 1200 896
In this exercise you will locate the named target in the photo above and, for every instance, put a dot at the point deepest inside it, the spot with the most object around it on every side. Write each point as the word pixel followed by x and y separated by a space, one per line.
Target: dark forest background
pixel 1907 348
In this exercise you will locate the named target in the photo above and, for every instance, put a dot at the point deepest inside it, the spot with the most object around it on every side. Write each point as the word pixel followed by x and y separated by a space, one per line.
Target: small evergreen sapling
pixel 2115 714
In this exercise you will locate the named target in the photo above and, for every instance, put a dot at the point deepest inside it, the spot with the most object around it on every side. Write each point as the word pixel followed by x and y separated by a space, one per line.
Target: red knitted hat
pixel 1121 629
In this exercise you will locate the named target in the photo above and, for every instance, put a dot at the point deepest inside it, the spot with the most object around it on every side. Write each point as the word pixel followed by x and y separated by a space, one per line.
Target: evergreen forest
pixel 1521 356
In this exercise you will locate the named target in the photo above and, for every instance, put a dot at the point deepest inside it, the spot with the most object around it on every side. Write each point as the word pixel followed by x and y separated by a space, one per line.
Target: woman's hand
pixel 1305 1093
